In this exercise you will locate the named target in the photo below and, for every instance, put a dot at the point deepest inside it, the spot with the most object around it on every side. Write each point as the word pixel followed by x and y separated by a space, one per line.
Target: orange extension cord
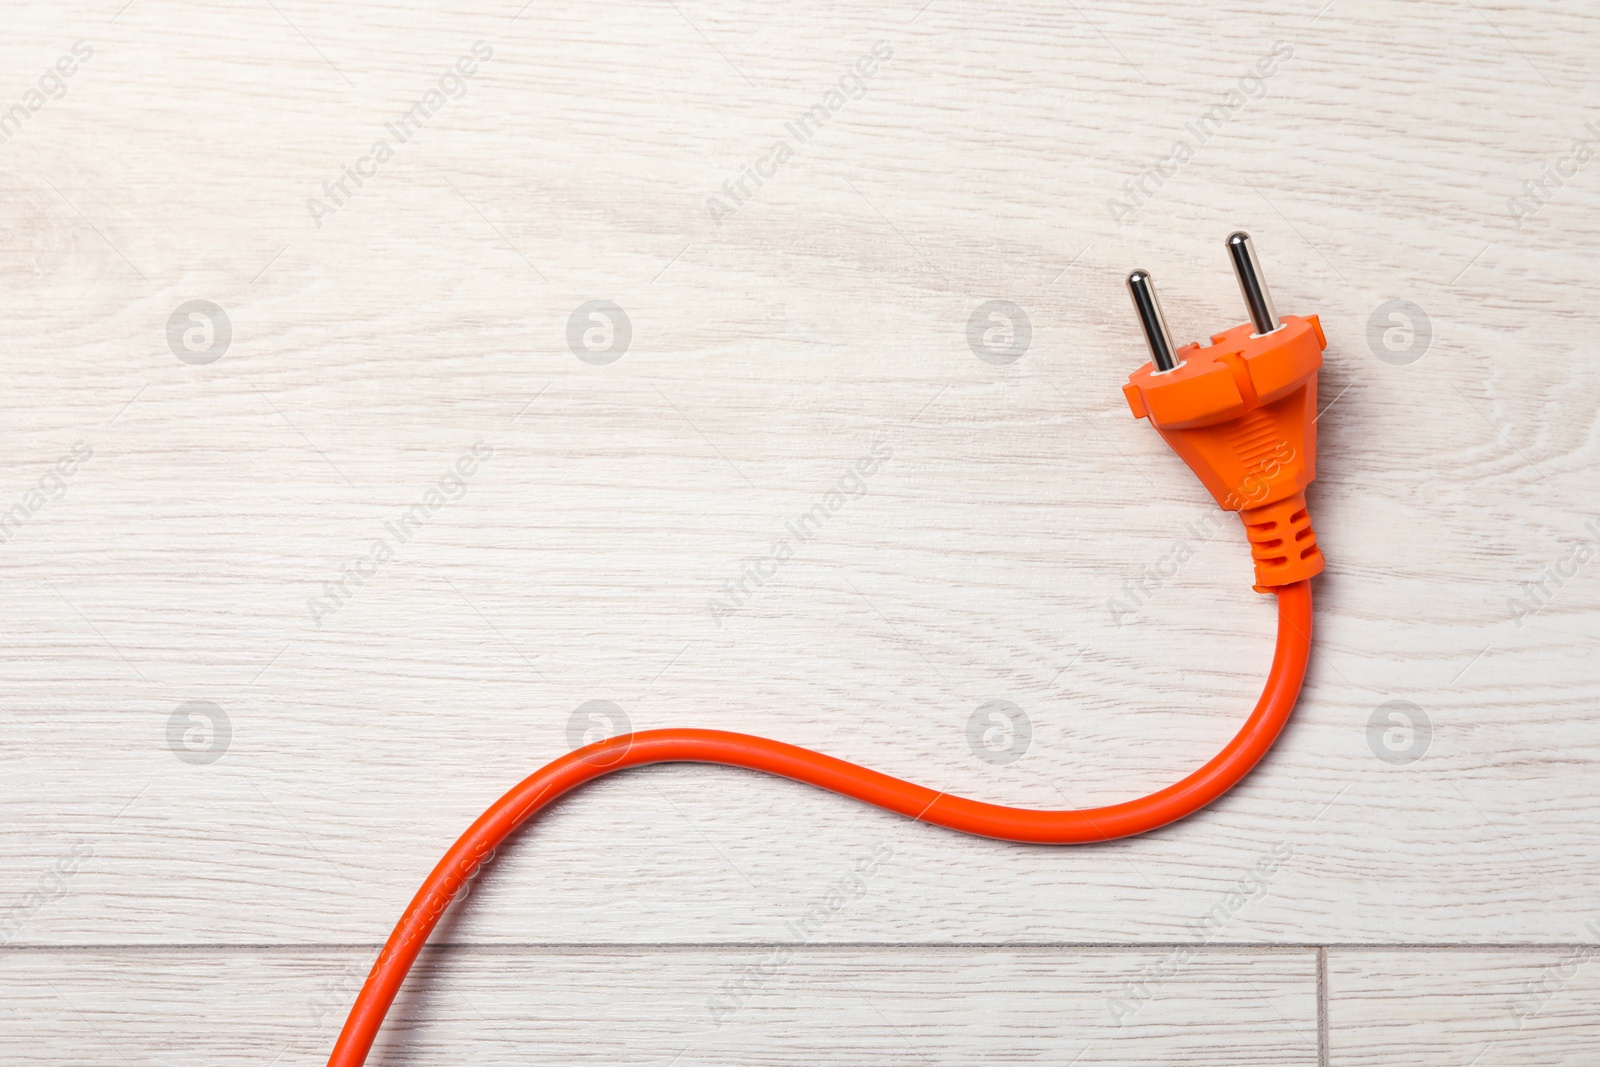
pixel 918 802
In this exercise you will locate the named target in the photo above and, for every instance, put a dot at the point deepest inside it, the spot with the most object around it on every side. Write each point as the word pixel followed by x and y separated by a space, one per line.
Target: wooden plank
pixel 1447 1007
pixel 687 1006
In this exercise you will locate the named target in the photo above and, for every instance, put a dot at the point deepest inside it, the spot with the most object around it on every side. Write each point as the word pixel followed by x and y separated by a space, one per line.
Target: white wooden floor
pixel 244 711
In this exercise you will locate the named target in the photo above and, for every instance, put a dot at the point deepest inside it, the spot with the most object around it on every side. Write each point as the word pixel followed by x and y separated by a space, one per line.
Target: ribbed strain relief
pixel 1282 542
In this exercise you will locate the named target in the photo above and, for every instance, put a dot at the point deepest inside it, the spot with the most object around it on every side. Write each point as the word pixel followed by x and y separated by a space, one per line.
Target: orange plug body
pixel 1241 412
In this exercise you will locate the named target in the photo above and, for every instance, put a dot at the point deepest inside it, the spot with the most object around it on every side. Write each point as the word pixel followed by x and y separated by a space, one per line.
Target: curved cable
pixel 540 789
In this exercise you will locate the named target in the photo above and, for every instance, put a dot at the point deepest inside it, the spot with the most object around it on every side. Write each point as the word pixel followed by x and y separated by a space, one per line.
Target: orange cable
pixel 540 789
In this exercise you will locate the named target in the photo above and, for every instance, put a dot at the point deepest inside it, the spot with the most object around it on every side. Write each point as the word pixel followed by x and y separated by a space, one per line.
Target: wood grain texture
pixel 771 350
pixel 842 1006
pixel 1523 1007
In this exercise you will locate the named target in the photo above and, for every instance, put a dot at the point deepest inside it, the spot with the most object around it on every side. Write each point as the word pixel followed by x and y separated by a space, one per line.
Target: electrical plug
pixel 1241 412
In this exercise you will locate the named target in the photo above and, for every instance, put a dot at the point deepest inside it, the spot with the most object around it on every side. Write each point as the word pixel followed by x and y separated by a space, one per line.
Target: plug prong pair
pixel 1252 285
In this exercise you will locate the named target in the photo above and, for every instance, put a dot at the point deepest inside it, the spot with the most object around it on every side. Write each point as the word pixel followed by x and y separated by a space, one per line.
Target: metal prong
pixel 1257 300
pixel 1152 321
